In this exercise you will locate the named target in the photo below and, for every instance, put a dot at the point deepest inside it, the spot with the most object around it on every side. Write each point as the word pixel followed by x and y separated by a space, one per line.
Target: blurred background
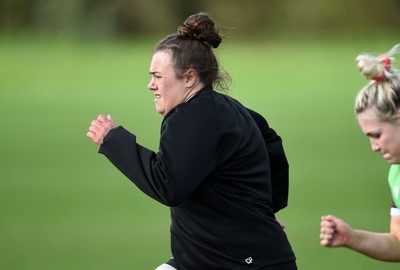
pixel 63 206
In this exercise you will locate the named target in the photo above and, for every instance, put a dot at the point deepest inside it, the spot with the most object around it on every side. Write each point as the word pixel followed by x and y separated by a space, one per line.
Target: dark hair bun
pixel 201 27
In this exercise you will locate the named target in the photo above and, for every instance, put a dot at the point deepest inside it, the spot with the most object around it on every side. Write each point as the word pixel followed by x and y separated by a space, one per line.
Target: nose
pixel 375 146
pixel 152 85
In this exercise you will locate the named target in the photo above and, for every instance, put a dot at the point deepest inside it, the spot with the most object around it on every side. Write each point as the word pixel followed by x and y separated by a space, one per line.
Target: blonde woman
pixel 377 109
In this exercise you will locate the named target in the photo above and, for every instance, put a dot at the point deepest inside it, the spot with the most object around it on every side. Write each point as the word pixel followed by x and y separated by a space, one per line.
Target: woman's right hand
pixel 334 232
pixel 100 127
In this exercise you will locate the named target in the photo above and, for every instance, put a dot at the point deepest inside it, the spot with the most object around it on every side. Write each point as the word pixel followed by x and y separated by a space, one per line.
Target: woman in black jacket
pixel 212 167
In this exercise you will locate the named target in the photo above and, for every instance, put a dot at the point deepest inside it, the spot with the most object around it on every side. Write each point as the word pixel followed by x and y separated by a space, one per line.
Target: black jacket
pixel 212 168
pixel 278 163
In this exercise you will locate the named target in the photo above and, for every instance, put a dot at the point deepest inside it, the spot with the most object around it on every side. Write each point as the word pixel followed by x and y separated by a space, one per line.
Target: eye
pixel 374 135
pixel 155 76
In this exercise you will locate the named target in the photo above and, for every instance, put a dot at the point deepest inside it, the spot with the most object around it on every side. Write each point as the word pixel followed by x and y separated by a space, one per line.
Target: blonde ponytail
pixel 382 93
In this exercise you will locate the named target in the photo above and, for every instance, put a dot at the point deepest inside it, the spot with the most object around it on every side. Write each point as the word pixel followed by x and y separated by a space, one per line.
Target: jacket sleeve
pixel 278 163
pixel 185 157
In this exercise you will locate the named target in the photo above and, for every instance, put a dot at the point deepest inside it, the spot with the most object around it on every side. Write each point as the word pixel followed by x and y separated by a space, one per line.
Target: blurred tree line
pixel 251 17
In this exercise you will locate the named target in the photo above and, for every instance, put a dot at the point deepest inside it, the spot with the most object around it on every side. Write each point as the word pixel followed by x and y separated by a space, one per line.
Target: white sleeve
pixel 394 211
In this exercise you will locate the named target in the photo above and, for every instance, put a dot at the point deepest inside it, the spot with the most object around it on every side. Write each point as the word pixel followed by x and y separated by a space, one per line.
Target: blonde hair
pixel 382 94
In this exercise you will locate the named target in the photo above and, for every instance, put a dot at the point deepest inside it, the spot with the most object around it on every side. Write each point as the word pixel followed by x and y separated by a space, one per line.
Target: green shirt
pixel 394 183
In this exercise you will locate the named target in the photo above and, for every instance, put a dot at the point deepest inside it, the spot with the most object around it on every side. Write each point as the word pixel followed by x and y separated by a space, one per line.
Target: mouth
pixel 157 97
pixel 387 157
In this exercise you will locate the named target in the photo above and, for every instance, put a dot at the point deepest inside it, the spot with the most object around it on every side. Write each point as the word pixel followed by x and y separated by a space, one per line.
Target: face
pixel 384 136
pixel 169 90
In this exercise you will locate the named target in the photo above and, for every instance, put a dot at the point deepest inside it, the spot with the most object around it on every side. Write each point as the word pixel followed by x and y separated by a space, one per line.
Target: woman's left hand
pixel 283 226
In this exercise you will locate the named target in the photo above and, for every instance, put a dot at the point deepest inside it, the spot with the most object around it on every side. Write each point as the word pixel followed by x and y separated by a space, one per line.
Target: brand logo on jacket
pixel 249 260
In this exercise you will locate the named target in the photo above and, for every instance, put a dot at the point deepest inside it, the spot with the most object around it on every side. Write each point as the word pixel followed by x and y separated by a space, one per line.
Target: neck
pixel 193 91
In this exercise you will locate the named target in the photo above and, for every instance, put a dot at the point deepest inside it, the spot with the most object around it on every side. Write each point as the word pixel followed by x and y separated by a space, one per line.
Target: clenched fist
pixel 100 127
pixel 335 232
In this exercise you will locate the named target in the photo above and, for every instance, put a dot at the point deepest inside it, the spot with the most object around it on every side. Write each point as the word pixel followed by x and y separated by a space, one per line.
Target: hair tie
pixel 387 65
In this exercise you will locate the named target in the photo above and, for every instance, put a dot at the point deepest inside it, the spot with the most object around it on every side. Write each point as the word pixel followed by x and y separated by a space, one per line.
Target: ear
pixel 191 78
pixel 398 113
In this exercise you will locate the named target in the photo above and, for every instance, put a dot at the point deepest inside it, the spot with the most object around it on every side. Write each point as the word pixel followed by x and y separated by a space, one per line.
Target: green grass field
pixel 64 206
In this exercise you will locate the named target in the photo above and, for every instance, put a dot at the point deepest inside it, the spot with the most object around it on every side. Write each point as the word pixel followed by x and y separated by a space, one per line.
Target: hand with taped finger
pixel 334 232
pixel 100 127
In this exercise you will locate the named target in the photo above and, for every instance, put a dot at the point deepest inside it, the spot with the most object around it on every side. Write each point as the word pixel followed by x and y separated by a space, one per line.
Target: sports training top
pixel 213 170
pixel 394 183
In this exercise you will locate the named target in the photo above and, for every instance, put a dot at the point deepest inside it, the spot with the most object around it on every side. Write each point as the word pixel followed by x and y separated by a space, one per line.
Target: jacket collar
pixel 205 90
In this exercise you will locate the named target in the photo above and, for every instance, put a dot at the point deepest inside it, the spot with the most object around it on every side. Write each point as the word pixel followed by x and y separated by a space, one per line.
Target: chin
pixel 393 161
pixel 159 111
